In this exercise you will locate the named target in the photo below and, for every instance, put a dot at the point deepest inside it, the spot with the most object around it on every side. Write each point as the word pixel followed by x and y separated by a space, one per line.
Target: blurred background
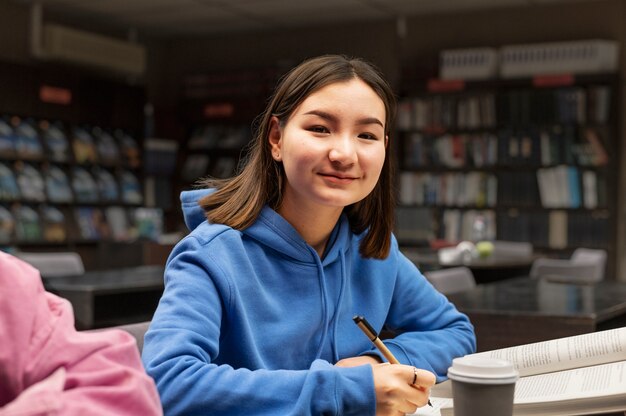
pixel 510 124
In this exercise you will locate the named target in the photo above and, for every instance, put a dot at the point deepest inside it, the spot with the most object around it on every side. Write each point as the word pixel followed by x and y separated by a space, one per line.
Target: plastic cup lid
pixel 482 370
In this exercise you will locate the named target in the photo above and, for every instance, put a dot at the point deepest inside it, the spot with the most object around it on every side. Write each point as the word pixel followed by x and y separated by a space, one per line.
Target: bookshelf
pixel 219 108
pixel 70 184
pixel 530 159
pixel 71 160
pixel 213 149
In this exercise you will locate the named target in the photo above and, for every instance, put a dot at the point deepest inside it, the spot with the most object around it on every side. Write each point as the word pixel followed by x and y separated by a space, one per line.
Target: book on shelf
pixel 451 225
pixel 404 119
pixel 129 149
pixel 148 222
pixel 472 225
pixel 451 189
pixel 31 183
pixel 106 146
pixel 592 151
pixel 130 188
pixel 27 143
pixel 92 223
pixel 27 223
pixel 590 189
pixel 578 375
pixel 53 224
pixel 560 187
pixel 9 191
pixel 117 218
pixel 57 143
pixel 57 185
pixel 84 146
pixel 107 185
pixel 7 140
pixel 557 229
pixel 84 186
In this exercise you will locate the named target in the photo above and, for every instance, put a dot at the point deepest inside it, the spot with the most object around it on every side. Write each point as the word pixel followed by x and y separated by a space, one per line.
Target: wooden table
pixel 524 310
pixel 111 297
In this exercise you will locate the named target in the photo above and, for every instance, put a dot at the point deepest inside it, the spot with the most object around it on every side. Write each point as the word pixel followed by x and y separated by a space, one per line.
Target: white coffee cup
pixel 482 386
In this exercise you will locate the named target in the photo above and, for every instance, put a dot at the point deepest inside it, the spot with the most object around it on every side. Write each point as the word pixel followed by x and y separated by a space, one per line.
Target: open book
pixel 578 375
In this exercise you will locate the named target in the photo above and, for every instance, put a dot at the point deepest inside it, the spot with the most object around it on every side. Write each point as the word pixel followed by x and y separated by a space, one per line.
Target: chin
pixel 338 201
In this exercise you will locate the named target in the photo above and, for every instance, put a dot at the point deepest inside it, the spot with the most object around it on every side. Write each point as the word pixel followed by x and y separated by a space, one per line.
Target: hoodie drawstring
pixel 342 286
pixel 322 281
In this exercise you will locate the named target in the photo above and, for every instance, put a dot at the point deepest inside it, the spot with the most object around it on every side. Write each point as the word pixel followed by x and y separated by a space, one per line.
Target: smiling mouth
pixel 337 178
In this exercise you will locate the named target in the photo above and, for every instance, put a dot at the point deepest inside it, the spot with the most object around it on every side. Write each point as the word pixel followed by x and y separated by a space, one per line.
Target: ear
pixel 386 140
pixel 274 138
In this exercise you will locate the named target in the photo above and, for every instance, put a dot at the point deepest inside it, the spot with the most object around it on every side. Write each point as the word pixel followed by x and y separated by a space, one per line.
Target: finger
pixel 408 407
pixel 418 396
pixel 422 378
pixel 411 407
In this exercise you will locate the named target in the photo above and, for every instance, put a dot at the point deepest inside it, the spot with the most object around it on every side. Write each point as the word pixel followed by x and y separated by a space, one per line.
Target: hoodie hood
pixel 193 214
pixel 271 225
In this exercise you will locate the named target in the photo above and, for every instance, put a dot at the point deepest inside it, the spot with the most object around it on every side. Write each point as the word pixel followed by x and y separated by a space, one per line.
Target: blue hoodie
pixel 252 321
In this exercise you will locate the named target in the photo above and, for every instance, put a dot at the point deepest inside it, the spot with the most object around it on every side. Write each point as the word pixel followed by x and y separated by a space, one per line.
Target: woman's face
pixel 332 147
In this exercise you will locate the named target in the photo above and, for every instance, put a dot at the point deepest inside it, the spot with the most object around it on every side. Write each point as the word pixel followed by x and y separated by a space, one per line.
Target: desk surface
pixel 523 310
pixel 99 281
pixel 111 297
pixel 523 295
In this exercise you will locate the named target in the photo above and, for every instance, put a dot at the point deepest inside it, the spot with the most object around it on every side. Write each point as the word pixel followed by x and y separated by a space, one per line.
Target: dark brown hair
pixel 238 201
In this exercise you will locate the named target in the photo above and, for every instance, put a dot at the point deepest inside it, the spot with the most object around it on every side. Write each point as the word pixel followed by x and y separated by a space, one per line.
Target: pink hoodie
pixel 48 368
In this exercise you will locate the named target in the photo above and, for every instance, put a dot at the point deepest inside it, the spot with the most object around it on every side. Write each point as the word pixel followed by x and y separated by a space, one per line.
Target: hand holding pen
pixel 426 378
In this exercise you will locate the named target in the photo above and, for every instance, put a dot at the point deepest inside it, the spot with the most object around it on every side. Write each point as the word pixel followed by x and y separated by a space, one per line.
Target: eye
pixel 318 129
pixel 368 136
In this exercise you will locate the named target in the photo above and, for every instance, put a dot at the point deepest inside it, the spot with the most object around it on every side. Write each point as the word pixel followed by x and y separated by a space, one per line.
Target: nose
pixel 343 150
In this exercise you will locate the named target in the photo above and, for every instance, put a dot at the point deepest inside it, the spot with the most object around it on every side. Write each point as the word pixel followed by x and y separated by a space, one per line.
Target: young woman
pixel 256 317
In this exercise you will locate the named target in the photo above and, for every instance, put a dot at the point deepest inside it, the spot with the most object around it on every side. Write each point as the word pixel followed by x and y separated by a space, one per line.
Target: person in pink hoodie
pixel 49 368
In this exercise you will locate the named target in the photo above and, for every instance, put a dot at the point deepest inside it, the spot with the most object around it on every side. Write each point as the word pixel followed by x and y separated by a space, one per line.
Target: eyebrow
pixel 330 117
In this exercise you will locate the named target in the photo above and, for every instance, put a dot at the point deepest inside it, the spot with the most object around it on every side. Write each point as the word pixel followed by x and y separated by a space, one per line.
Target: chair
pixel 137 330
pixel 451 280
pixel 584 266
pixel 54 264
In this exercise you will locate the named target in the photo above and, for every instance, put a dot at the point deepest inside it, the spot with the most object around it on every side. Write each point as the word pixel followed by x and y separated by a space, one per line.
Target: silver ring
pixel 414 375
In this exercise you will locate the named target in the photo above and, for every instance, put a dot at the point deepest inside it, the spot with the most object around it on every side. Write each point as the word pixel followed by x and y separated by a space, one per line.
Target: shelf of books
pixel 527 161
pixel 62 183
pixel 219 110
pixel 213 149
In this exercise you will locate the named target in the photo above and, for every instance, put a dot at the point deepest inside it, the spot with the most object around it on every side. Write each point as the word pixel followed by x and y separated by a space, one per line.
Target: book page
pixel 579 391
pixel 438 404
pixel 578 383
pixel 565 353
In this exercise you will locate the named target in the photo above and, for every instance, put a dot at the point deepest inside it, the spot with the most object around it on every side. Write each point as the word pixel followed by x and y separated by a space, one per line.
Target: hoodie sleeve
pixel 431 331
pixel 182 346
pixel 48 368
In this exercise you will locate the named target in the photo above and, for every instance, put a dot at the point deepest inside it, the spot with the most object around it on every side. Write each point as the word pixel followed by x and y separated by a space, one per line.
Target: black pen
pixel 373 336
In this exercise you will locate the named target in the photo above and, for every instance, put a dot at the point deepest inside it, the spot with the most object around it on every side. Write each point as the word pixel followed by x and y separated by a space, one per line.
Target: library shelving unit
pixel 219 108
pixel 62 184
pixel 71 160
pixel 532 159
